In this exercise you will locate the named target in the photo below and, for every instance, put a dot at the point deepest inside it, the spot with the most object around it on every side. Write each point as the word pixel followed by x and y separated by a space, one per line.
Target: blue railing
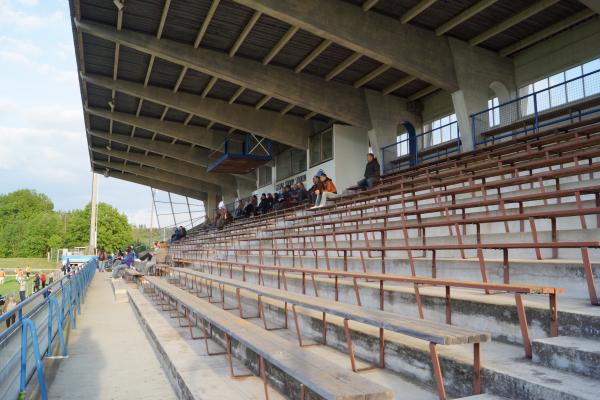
pixel 536 110
pixel 433 144
pixel 62 298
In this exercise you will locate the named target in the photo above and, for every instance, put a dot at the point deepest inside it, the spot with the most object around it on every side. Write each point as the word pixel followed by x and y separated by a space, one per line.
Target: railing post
pixel 535 113
pixel 27 324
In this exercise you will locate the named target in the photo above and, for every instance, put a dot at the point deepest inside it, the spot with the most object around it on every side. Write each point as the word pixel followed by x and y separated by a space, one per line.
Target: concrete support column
pixel 388 114
pixel 478 72
pixel 211 204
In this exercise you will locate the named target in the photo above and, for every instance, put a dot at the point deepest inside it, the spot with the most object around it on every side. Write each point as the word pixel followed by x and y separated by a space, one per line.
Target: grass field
pixel 9 265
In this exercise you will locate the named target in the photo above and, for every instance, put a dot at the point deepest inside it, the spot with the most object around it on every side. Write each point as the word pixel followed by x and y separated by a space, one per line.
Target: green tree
pixel 114 232
pixel 28 224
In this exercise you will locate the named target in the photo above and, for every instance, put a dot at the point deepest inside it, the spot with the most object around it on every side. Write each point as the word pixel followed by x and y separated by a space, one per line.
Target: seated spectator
pixel 326 190
pixel 216 220
pixel 239 211
pixel 284 199
pixel 126 262
pixel 263 206
pixel 372 173
pixel 276 203
pixel 315 185
pixel 301 194
pixel 250 209
pixel 183 232
pixel 270 201
pixel 176 234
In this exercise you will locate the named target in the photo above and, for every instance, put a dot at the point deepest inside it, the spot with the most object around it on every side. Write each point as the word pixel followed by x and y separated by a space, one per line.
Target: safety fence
pixel 35 330
pixel 411 151
pixel 570 100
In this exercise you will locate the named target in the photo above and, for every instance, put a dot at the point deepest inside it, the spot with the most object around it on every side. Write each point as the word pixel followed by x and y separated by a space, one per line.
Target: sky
pixel 43 145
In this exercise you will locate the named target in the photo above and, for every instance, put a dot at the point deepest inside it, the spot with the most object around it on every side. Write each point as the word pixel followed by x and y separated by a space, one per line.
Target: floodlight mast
pixel 94 217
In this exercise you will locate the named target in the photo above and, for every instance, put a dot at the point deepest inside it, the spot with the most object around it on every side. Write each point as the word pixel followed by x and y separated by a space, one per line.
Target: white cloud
pixel 11 16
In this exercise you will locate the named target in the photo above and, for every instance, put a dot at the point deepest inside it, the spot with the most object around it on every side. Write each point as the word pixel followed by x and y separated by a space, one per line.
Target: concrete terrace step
pixel 485 396
pixel 195 374
pixel 572 354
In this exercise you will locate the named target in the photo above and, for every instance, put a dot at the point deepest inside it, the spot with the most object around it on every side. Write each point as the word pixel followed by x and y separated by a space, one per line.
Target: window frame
pixel 319 136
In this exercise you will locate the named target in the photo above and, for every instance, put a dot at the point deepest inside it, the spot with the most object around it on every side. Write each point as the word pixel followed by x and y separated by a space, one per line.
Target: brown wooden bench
pixel 432 332
pixel 216 266
pixel 310 371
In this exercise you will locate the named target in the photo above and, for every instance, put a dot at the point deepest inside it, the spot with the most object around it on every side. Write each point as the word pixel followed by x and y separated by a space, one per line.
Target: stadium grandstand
pixel 464 264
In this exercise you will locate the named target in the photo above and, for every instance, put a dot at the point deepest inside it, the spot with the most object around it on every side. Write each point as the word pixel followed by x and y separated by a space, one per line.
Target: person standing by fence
pixel 22 286
pixel 2 275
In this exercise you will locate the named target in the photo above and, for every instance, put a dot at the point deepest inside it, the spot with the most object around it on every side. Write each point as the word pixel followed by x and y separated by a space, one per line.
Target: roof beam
pixel 533 9
pixel 313 54
pixel 186 153
pixel 368 4
pixel 171 165
pixel 168 177
pixel 140 180
pixel 422 93
pixel 280 44
pixel 416 10
pixel 209 15
pixel 194 134
pixel 240 40
pixel 285 129
pixel 398 84
pixel 463 16
pixel 371 75
pixel 343 65
pixel 328 98
pixel 592 4
pixel 549 31
pixel 405 47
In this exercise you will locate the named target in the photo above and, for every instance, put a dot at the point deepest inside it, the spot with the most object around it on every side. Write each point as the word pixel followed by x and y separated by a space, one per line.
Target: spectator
pixel 239 211
pixel 2 275
pixel 182 232
pixel 101 259
pixel 43 280
pixel 28 271
pixel 9 304
pixel 36 282
pixel 176 234
pixel 300 194
pixel 251 207
pixel 126 262
pixel 22 286
pixel 372 173
pixel 270 201
pixel 326 190
pixel 312 191
pixel 263 206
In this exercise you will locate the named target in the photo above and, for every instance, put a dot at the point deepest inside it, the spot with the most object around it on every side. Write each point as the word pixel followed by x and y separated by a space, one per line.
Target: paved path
pixel 109 355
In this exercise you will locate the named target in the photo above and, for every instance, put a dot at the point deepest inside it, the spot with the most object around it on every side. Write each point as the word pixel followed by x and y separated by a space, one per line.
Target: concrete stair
pixel 567 353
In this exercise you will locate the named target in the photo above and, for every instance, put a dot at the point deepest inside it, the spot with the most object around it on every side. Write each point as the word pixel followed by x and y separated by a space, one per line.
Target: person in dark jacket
pixel 372 173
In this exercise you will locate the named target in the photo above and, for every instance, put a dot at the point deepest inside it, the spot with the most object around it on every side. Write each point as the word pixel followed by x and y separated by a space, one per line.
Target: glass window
pixel 321 147
pixel 265 176
pixel 402 144
pixel 290 162
pixel 493 113
pixel 562 88
pixel 443 129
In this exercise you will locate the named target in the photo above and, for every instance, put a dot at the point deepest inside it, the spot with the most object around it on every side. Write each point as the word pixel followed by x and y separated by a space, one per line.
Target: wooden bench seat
pixel 315 373
pixel 433 332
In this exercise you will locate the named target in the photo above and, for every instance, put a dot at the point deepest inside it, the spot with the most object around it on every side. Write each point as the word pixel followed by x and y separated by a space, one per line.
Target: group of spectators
pixel 22 276
pixel 322 189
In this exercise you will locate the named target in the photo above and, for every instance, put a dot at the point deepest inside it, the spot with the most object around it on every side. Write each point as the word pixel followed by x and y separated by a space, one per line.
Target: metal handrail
pixel 72 290
pixel 416 157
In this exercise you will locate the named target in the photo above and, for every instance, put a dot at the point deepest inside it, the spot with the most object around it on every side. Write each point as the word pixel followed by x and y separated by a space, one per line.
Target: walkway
pixel 109 355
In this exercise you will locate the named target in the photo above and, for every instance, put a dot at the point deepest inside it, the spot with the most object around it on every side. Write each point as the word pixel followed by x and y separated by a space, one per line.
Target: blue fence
pixel 411 151
pixel 564 101
pixel 39 320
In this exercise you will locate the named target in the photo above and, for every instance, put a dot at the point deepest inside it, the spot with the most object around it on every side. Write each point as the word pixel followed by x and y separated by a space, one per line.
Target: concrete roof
pixel 266 66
